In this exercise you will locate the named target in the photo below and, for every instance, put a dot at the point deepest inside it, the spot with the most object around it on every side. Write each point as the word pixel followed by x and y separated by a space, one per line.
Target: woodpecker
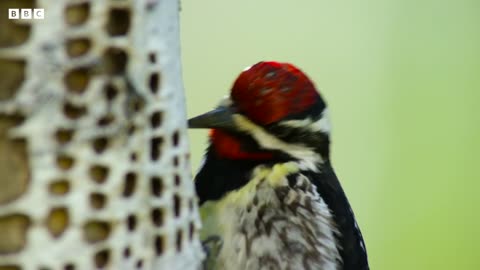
pixel 269 197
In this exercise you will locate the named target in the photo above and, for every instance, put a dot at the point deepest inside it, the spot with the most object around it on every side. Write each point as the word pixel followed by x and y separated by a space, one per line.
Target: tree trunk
pixel 94 163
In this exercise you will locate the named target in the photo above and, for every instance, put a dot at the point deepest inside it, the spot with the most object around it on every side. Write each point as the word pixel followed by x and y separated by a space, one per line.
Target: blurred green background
pixel 402 79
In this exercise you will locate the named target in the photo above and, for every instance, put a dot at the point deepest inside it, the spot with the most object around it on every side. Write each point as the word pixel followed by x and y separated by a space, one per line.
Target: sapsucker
pixel 268 193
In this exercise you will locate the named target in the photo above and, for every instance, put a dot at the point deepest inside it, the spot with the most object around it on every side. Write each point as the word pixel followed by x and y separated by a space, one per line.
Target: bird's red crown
pixel 268 92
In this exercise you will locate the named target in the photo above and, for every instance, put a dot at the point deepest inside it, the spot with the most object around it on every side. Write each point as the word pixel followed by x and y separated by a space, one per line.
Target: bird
pixel 269 197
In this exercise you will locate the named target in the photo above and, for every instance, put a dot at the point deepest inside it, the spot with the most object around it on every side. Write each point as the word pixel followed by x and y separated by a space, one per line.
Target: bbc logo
pixel 26 13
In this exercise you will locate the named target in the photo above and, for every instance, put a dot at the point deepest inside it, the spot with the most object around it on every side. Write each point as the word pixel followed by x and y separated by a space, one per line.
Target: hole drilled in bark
pixel 73 111
pixel 105 120
pixel 13 234
pixel 77 14
pixel 13 33
pixel 156 119
pixel 157 217
pixel 65 162
pixel 118 21
pixel 59 187
pixel 110 92
pixel 76 80
pixel 130 183
pixel 152 57
pixel 178 180
pixel 78 47
pixel 96 231
pixel 99 173
pixel 139 264
pixel 176 161
pixel 126 252
pixel 98 200
pixel 69 266
pixel 156 186
pixel 159 244
pixel 57 221
pixel 131 222
pixel 154 82
pixel 176 138
pixel 13 75
pixel 115 61
pixel 100 144
pixel 102 258
pixel 176 205
pixel 155 147
pixel 13 161
pixel 63 136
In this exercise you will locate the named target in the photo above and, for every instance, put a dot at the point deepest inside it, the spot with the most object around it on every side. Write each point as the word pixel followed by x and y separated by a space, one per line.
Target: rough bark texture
pixel 13 155
pixel 94 169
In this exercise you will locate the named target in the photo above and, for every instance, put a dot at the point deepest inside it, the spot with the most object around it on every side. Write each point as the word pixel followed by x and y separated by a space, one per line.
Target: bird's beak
pixel 220 117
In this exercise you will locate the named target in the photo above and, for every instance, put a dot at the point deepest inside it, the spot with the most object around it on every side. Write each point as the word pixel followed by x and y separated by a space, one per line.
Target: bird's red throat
pixel 228 146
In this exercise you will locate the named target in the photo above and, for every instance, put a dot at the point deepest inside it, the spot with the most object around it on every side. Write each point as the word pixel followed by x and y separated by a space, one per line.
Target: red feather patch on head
pixel 270 91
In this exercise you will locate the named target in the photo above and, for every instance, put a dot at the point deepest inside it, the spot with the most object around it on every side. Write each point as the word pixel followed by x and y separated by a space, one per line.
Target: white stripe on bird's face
pixel 323 124
pixel 308 158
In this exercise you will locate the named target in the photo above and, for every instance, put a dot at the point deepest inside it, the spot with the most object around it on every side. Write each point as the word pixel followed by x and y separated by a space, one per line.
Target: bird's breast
pixel 276 221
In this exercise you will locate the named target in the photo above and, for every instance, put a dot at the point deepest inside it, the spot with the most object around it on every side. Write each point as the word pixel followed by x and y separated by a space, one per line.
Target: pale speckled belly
pixel 271 224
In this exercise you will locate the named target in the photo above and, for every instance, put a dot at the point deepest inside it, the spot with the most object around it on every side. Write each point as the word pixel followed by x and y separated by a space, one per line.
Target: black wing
pixel 353 250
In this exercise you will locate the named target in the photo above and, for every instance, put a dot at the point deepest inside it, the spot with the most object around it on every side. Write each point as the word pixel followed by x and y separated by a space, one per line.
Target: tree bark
pixel 94 168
